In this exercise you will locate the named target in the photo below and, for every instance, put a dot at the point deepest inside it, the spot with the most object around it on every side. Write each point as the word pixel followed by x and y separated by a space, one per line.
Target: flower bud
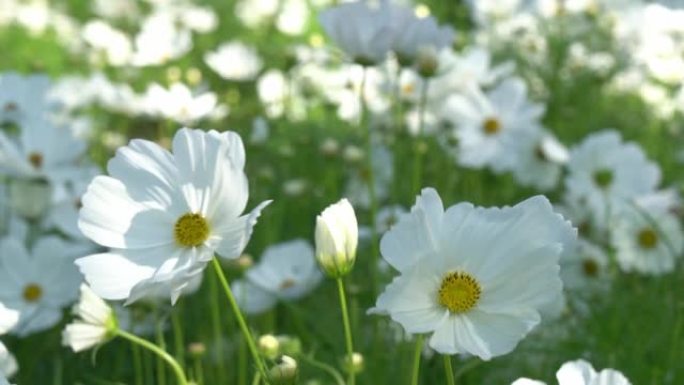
pixel 284 372
pixel 355 364
pixel 269 346
pixel 337 236
pixel 427 62
pixel 197 349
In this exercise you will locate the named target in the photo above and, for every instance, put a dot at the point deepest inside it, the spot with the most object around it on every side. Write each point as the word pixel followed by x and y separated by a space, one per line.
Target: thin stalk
pixel 398 107
pixel 241 319
pixel 347 331
pixel 137 364
pixel 448 370
pixel 415 371
pixel 199 372
pixel 418 143
pixel 257 379
pixel 59 371
pixel 159 333
pixel 325 367
pixel 215 314
pixel 177 370
pixel 178 343
pixel 365 128
pixel 242 362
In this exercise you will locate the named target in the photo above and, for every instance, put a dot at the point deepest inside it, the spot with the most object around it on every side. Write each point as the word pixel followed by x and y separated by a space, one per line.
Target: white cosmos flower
pixel 647 241
pixel 95 324
pixel 235 61
pixel 42 150
pixel 109 43
pixel 487 124
pixel 584 268
pixel 179 103
pixel 474 64
pixel 22 97
pixel 413 34
pixel 539 159
pixel 8 364
pixel 254 12
pixel 38 283
pixel 66 203
pixel 286 272
pixel 475 278
pixel 606 173
pixel 363 31
pixel 161 40
pixel 581 372
pixel 164 215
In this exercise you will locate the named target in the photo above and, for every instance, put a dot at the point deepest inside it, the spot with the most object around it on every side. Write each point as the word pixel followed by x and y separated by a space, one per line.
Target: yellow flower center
pixel 407 89
pixel 36 159
pixel 491 126
pixel 33 292
pixel 288 283
pixel 459 292
pixel 647 238
pixel 191 230
pixel 590 268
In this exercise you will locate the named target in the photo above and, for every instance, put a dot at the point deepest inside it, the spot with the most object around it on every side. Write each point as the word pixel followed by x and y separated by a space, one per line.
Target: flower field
pixel 322 192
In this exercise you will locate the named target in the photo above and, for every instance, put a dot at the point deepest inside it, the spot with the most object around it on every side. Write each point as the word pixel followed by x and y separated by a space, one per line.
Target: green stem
pixel 137 365
pixel 241 319
pixel 418 143
pixel 180 375
pixel 416 359
pixel 159 333
pixel 347 332
pixel 179 346
pixel 214 309
pixel 372 194
pixel 448 370
pixel 199 373
pixel 325 367
pixel 59 371
pixel 257 379
pixel 242 362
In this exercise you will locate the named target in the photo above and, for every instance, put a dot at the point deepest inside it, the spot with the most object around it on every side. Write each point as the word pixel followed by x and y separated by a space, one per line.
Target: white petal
pixel 236 149
pixel 42 318
pixel 501 333
pixel 113 219
pixel 8 364
pixel 235 234
pixel 228 196
pixel 611 377
pixel 198 158
pixel 415 234
pixel 578 372
pixel 411 300
pixel 113 275
pixel 251 298
pixel 527 381
pixel 147 170
pixel 82 336
pixel 8 319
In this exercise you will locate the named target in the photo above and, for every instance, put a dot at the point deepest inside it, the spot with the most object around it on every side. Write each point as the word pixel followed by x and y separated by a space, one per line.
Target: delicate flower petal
pixel 251 298
pixel 236 234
